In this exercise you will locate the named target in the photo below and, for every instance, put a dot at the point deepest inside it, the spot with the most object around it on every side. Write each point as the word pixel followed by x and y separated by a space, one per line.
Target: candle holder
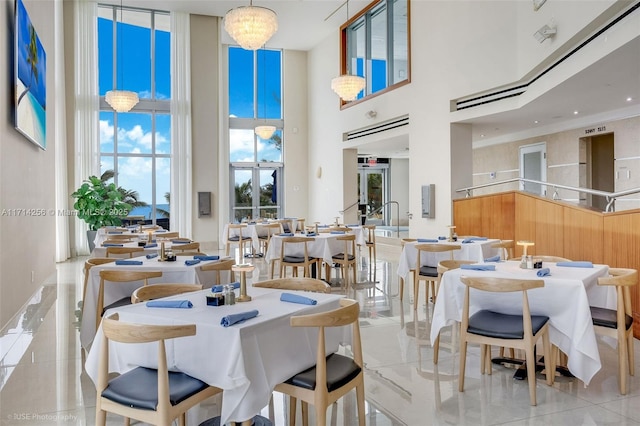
pixel 243 268
pixel 451 232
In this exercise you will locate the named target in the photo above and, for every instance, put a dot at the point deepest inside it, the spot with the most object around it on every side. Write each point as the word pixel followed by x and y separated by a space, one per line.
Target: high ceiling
pixel 595 92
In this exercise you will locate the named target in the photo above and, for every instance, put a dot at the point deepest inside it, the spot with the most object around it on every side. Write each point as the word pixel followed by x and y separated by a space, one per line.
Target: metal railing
pixel 379 209
pixel 609 196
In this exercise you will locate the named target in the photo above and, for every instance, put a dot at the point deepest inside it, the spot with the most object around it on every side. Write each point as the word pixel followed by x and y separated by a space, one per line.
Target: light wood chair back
pixel 428 274
pixel 353 375
pixel 287 225
pixel 506 247
pixel 618 323
pixel 167 235
pixel 237 233
pixel 371 247
pixel 122 238
pixel 157 291
pixel 88 264
pixel 300 226
pixel 298 284
pixel 126 386
pixel 120 276
pixel 219 267
pixel 472 329
pixel 346 260
pixel 124 252
pixel 403 241
pixel 296 261
pixel 188 247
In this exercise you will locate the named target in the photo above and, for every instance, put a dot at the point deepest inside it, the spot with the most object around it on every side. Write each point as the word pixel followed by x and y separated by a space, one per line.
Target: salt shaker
pixel 231 295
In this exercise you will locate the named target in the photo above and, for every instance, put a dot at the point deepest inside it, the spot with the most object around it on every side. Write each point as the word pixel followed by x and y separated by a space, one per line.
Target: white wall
pixel 399 175
pixel 27 175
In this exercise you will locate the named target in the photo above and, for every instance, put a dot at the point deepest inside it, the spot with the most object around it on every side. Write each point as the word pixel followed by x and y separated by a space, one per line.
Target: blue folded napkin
pixel 544 272
pixel 337 232
pixel 185 304
pixel 478 267
pixel 311 234
pixel 114 232
pixel 353 225
pixel 286 234
pixel 442 238
pixel 236 318
pixel 472 239
pixel 152 255
pixel 219 288
pixel 580 264
pixel 296 298
pixel 495 258
pixel 427 240
pixel 190 262
pixel 128 262
pixel 205 257
pixel 112 245
pixel 151 245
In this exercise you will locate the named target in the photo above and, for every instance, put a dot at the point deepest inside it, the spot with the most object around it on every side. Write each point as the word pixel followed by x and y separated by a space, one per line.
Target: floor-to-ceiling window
pixel 256 163
pixel 135 147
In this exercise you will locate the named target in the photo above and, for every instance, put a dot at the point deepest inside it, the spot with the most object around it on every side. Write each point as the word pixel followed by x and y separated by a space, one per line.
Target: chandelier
pixel 348 86
pixel 251 26
pixel 265 132
pixel 121 100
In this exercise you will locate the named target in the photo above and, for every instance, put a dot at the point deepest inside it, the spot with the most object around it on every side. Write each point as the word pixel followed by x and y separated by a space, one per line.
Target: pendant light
pixel 347 86
pixel 251 26
pixel 265 131
pixel 121 100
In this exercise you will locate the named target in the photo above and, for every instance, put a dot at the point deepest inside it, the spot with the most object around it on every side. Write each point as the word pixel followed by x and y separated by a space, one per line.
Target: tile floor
pixel 42 380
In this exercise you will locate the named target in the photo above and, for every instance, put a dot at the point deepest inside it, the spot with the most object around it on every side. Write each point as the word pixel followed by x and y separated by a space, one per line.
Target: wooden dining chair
pixel 346 260
pixel 506 247
pixel 168 235
pixel 237 234
pixel 179 249
pixel 618 323
pixel 295 261
pixel 371 248
pixel 119 276
pixel 123 252
pixel 219 267
pixel 271 230
pixel 156 291
pixel 333 376
pixel 488 328
pixel 444 266
pixel 122 238
pixel 403 241
pixel 154 396
pixel 297 283
pixel 428 274
pixel 88 264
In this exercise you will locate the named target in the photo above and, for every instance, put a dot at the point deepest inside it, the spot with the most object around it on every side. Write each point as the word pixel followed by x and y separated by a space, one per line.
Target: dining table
pixel 246 360
pixel 475 249
pixel 135 231
pixel 101 250
pixel 172 272
pixel 567 294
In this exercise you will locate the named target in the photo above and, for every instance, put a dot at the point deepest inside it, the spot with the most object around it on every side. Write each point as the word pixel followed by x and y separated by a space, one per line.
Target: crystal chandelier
pixel 121 100
pixel 348 86
pixel 251 26
pixel 265 132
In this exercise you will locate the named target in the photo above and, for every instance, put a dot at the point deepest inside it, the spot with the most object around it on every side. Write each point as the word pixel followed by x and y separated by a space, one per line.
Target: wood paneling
pixel 557 229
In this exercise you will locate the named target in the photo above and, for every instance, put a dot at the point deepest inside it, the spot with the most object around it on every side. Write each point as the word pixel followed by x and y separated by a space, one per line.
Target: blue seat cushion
pixel 296 259
pixel 117 304
pixel 340 371
pixel 237 238
pixel 608 318
pixel 340 256
pixel 138 388
pixel 502 326
pixel 428 271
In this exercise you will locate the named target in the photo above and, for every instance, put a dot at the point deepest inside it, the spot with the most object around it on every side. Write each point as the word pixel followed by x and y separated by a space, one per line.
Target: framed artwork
pixel 30 80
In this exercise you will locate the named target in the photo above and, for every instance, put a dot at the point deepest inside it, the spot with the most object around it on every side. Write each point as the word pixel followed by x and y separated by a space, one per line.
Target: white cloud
pixel 106 132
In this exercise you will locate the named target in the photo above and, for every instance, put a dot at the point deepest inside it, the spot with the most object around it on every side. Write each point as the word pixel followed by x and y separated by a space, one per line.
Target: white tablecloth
pixel 101 251
pixel 323 246
pixel 246 360
pixel 172 272
pixel 476 251
pixel 103 234
pixel 253 231
pixel 565 299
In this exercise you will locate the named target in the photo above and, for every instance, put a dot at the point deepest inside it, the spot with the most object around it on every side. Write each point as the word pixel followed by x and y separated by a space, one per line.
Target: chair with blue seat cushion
pixel 618 323
pixel 154 396
pixel 519 331
pixel 237 233
pixel 346 260
pixel 295 254
pixel 427 273
pixel 115 276
pixel 333 376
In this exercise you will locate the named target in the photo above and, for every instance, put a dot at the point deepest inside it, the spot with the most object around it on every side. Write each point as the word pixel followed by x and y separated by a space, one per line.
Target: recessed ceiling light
pixel 536 122
pixel 482 136
pixel 575 112
pixel 629 99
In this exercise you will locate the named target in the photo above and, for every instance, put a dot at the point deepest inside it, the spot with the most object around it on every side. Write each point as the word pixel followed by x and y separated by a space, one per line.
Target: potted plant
pixel 99 204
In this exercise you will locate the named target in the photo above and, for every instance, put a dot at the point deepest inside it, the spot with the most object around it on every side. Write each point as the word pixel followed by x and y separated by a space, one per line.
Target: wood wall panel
pixel 583 235
pixel 467 216
pixel 490 216
pixel 549 224
pixel 525 221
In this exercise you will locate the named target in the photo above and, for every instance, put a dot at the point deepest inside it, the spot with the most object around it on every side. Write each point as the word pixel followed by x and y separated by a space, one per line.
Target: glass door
pixel 256 192
pixel 373 185
pixel 533 165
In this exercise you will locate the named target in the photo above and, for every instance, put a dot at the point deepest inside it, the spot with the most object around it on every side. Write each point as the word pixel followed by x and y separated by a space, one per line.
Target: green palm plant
pixel 129 196
pixel 165 213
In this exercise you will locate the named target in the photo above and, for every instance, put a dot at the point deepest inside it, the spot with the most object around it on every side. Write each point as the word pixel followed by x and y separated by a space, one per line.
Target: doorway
pixel 533 166
pixel 373 184
pixel 600 168
pixel 256 192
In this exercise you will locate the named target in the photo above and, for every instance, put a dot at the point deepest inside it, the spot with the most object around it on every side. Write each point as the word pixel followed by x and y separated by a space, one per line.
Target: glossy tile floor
pixel 42 381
